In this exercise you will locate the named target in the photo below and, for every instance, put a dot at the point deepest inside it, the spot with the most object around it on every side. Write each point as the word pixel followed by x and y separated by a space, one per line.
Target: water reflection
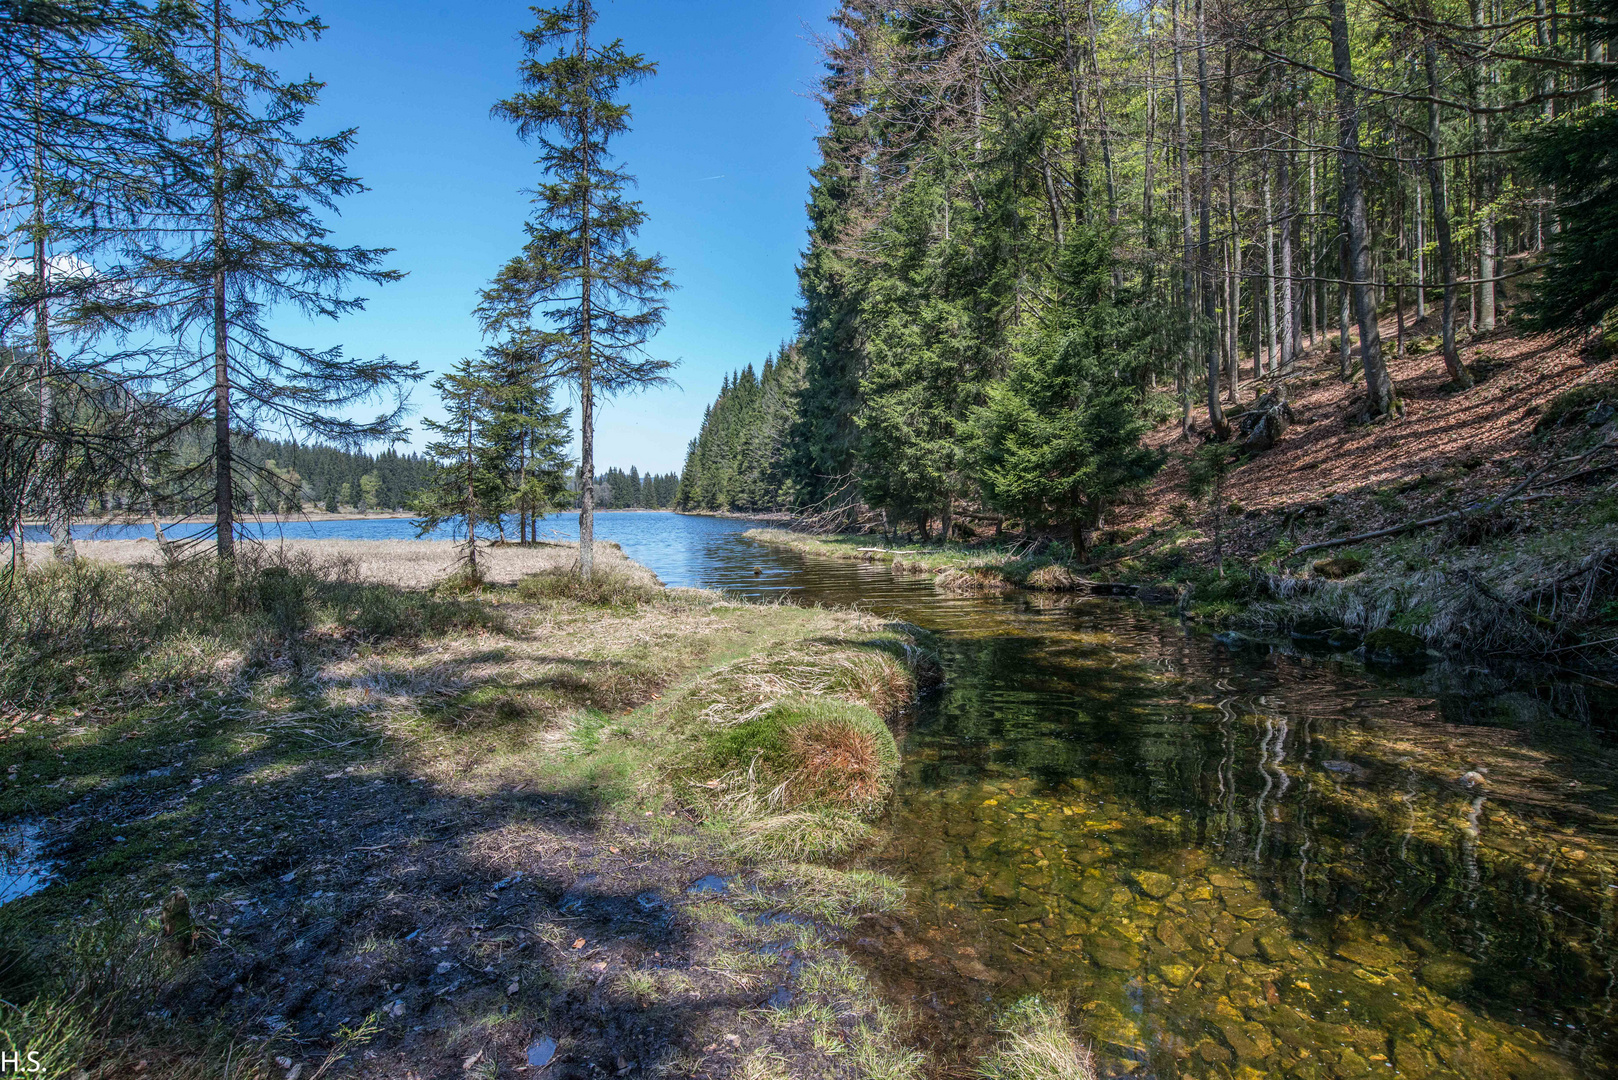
pixel 1243 865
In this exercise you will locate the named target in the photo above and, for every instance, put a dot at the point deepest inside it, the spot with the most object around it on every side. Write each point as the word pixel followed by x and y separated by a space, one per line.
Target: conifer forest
pixel 1039 226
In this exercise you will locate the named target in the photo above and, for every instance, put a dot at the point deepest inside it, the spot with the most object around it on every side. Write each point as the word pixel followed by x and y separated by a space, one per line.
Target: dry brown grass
pixel 406 564
pixel 837 759
pixel 1471 441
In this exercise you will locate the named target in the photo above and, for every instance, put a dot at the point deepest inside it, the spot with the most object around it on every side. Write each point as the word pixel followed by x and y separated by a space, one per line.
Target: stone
pixel 1448 975
pixel 1274 947
pixel 1092 893
pixel 1411 1060
pixel 1243 946
pixel 1388 647
pixel 1341 567
pixel 1160 593
pixel 1175 974
pixel 1001 889
pixel 1114 955
pixel 1152 884
pixel 1212 1052
pixel 1366 955
pixel 1249 1040
pixel 1169 934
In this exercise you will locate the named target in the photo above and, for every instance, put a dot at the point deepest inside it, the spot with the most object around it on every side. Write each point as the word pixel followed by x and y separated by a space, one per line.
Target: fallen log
pixel 1515 495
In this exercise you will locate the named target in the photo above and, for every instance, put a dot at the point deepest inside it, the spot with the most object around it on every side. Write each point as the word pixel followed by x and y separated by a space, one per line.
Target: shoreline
pixel 1340 603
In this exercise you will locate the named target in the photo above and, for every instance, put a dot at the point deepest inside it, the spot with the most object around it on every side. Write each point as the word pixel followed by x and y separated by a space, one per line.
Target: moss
pixel 1340 567
pixel 809 752
pixel 1574 404
pixel 1394 648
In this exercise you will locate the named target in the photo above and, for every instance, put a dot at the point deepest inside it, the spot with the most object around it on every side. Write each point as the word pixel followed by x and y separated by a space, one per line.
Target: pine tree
pixel 462 481
pixel 1579 154
pixel 579 272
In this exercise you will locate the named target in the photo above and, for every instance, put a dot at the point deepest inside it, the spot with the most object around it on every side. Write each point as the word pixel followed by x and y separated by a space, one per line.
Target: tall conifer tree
pixel 579 292
pixel 249 238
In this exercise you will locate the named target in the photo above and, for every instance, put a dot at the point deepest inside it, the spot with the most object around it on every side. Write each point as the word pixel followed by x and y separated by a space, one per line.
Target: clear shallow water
pixel 23 867
pixel 1238 864
pixel 1259 863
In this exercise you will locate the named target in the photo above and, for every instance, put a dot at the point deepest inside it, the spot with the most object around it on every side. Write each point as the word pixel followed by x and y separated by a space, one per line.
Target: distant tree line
pixel 616 489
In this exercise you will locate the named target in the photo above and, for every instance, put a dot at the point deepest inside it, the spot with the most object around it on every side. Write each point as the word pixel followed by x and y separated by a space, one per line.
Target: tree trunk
pixel 1380 399
pixel 1210 314
pixel 1446 246
pixel 224 487
pixel 587 482
pixel 1485 184
pixel 58 515
pixel 1289 321
pixel 1183 141
pixel 1421 256
pixel 1344 347
pixel 1271 359
pixel 471 493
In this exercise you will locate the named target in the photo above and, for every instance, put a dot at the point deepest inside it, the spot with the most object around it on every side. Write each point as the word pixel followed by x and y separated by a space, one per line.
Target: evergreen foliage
pixel 579 300
pixel 1578 154
pixel 1059 438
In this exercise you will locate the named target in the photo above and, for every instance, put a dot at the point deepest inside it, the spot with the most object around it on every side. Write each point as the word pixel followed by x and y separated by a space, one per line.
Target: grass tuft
pixel 1036 1044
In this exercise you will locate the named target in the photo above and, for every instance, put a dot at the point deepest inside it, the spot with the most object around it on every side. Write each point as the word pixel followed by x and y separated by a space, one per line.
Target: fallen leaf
pixel 579 944
pixel 512 989
pixel 613 850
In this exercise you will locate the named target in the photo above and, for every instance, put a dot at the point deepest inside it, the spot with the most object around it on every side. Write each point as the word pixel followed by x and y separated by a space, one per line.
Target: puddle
pixel 541 1053
pixel 23 868
pixel 708 885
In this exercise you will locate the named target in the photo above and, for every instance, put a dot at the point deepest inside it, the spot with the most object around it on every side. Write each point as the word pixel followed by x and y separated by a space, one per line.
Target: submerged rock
pixel 1153 884
pixel 1448 975
pixel 1394 648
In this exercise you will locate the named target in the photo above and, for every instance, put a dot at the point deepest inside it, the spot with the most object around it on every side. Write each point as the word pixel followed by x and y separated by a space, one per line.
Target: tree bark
pixel 224 487
pixel 1271 345
pixel 1440 199
pixel 1380 399
pixel 58 517
pixel 587 482
pixel 1210 314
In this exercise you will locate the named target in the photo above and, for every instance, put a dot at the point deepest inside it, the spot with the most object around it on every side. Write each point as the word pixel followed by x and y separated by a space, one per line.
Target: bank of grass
pixel 1037 1043
pixel 985 567
pixel 421 827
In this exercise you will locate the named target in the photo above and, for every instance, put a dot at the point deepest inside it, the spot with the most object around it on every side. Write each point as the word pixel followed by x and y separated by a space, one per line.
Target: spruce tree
pixel 1059 438
pixel 247 238
pixel 462 480
pixel 579 293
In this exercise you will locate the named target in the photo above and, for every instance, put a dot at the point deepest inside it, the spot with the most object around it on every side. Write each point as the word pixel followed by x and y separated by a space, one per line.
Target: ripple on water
pixel 1244 863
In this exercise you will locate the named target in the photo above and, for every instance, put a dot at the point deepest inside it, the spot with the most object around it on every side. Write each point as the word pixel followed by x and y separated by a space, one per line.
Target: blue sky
pixel 722 141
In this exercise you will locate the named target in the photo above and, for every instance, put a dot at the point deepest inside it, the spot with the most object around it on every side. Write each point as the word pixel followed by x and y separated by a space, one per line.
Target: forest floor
pixel 1519 469
pixel 335 828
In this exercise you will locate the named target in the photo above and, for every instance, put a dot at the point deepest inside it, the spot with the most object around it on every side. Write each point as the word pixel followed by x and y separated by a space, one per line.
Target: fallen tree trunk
pixel 1513 496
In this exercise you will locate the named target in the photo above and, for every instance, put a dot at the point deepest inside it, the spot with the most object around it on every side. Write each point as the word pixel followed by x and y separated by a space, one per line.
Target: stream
pixel 1243 863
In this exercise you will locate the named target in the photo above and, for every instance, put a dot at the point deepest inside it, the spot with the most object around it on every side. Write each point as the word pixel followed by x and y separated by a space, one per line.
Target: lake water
pixel 1262 863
